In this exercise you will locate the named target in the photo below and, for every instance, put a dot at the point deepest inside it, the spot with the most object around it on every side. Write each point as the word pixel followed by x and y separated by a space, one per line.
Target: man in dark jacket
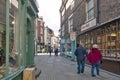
pixel 80 54
pixel 49 50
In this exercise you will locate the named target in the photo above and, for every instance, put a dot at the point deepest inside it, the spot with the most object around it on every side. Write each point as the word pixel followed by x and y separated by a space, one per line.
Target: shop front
pixel 107 36
pixel 16 38
pixel 65 47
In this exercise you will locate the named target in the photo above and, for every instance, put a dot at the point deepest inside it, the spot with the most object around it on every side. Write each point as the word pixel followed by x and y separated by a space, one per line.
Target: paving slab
pixel 60 68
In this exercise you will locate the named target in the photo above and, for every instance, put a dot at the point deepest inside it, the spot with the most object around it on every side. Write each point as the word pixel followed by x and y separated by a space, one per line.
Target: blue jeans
pixel 81 66
pixel 97 66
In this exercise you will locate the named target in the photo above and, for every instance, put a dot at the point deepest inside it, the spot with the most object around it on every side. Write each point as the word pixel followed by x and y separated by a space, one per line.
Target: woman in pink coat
pixel 94 57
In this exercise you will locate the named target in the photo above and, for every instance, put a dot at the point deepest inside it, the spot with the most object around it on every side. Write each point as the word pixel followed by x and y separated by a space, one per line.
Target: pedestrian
pixel 94 57
pixel 80 54
pixel 49 50
pixel 56 52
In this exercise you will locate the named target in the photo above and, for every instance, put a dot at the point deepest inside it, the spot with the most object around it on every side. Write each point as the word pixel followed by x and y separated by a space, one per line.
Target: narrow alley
pixel 60 68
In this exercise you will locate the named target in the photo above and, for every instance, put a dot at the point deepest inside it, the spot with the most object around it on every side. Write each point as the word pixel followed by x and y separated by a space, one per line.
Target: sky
pixel 49 10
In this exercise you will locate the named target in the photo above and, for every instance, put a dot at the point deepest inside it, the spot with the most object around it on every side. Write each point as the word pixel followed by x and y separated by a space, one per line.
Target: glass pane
pixel 90 14
pixel 113 36
pixel 90 4
pixel 69 47
pixel 119 35
pixel 108 30
pixel 113 46
pixel 118 45
pixel 103 46
pixel 103 38
pixel 13 37
pixel 83 40
pixel 63 47
pixel 98 39
pixel 2 37
pixel 108 37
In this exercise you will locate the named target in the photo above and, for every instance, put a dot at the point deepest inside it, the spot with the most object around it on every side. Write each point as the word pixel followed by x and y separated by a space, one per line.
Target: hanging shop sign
pixel 72 36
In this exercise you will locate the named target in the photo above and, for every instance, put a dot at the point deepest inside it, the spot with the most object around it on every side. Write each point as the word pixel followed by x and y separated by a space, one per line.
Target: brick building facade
pixel 95 22
pixel 40 34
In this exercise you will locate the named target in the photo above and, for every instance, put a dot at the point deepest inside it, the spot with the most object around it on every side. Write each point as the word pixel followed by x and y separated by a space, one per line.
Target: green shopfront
pixel 17 19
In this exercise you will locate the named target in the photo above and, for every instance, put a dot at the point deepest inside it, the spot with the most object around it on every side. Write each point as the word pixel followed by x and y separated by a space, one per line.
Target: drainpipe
pixel 97 9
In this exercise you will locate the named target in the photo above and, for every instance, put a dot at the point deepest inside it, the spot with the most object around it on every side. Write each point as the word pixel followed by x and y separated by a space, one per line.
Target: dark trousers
pixel 50 53
pixel 81 66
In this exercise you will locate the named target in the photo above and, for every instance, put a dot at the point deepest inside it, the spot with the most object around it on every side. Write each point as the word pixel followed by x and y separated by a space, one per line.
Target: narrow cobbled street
pixel 60 68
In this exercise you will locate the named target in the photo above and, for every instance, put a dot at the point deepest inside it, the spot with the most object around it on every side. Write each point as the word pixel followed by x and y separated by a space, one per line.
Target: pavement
pixel 60 68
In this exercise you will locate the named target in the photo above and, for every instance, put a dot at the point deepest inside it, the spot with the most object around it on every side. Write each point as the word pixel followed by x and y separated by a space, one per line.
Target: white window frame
pixel 70 23
pixel 63 14
pixel 89 9
pixel 72 4
pixel 68 4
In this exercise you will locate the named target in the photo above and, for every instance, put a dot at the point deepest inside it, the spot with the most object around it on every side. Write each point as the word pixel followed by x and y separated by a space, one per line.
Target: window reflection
pixel 13 57
pixel 2 37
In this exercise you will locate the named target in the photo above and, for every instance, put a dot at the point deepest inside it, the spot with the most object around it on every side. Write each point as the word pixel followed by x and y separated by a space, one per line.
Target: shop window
pixel 82 40
pixel 119 35
pixel 94 37
pixel 113 45
pixel 103 46
pixel 69 47
pixel 98 39
pixel 113 27
pixel 108 37
pixel 113 36
pixel 92 40
pixel 103 31
pixel 63 47
pixel 2 38
pixel 103 38
pixel 99 31
pixel 108 29
pixel 119 26
pixel 118 45
pixel 13 51
pixel 13 39
pixel 99 46
pixel 108 45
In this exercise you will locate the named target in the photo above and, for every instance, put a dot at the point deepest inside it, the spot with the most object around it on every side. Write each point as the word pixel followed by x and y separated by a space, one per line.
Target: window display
pixel 2 38
pixel 13 61
pixel 107 38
